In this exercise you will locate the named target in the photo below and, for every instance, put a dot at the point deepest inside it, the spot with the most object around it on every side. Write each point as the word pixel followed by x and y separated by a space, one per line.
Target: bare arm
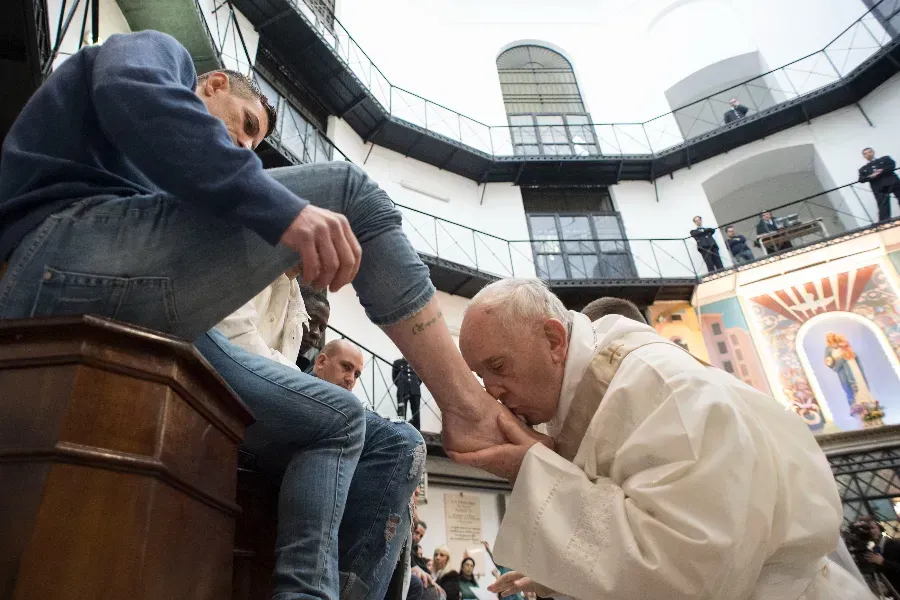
pixel 468 413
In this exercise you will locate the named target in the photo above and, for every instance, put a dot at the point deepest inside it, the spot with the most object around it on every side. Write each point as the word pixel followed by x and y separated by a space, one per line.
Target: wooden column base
pixel 118 460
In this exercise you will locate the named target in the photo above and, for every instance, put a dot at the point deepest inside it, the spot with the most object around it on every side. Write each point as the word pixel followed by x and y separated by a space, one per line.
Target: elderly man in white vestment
pixel 671 479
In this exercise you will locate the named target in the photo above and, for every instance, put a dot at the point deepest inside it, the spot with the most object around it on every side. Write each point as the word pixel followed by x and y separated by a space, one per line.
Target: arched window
pixel 543 104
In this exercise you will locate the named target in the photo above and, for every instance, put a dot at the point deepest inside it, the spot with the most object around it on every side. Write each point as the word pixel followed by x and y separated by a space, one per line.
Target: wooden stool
pixel 118 463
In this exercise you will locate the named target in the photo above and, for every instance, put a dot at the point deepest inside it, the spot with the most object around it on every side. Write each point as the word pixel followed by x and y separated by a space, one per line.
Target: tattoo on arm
pixel 420 327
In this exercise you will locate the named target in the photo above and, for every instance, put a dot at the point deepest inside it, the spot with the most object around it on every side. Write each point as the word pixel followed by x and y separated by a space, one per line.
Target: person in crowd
pixel 421 583
pixel 444 575
pixel 409 390
pixel 670 479
pixel 737 111
pixel 768 224
pixel 500 570
pixel 129 189
pixel 390 457
pixel 467 581
pixel 737 245
pixel 879 172
pixel 610 305
pixel 418 560
pixel 706 245
pixel 340 363
pixel 885 553
pixel 318 309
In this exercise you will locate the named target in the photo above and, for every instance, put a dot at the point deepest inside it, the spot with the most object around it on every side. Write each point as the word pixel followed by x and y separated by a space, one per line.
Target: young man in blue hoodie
pixel 129 189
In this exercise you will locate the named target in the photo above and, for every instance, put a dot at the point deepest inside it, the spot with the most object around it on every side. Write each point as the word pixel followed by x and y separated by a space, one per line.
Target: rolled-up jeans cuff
pixel 409 309
pixel 352 587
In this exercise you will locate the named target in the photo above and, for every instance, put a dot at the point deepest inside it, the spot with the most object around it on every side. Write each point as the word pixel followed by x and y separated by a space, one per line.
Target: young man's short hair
pixel 613 306
pixel 246 86
pixel 312 295
pixel 868 148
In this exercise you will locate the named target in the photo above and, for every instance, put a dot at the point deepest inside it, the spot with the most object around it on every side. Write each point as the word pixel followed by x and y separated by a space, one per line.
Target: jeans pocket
pixel 146 301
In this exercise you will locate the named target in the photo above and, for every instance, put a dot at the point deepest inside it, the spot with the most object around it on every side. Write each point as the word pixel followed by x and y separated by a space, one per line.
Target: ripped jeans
pixel 347 476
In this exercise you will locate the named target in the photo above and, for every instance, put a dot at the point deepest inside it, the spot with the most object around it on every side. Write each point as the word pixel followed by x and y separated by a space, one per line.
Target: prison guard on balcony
pixel 122 120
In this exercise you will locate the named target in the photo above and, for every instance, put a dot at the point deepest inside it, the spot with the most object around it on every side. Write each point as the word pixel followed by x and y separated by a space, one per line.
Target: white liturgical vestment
pixel 674 481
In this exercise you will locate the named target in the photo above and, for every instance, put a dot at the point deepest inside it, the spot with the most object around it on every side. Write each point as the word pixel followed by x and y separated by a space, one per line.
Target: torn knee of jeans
pixel 390 530
pixel 418 463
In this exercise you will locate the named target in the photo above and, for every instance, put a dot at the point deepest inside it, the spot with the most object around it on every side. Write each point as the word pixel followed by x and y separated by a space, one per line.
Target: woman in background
pixel 445 577
pixel 467 579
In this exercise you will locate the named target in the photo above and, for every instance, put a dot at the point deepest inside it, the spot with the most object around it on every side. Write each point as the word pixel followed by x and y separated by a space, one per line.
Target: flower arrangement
pixel 875 413
pixel 868 412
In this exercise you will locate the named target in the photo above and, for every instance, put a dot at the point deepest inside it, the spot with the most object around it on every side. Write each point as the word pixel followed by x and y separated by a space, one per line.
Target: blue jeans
pixel 377 520
pixel 347 476
pixel 159 262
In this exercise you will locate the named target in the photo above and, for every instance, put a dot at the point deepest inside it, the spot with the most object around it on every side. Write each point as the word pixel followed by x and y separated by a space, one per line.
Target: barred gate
pixel 869 484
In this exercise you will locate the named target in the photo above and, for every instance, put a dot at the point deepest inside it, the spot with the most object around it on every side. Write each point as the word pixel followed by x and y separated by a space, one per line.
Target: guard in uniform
pixel 879 172
pixel 409 390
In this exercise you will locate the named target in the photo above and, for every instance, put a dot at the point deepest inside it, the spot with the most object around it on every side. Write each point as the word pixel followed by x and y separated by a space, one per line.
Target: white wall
pixel 761 195
pixel 445 50
pixel 433 515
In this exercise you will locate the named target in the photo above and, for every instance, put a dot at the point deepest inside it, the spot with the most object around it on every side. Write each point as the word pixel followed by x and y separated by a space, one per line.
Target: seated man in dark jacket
pixel 767 224
pixel 879 172
pixel 737 244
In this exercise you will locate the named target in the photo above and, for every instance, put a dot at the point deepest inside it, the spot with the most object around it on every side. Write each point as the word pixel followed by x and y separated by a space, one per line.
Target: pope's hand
pixel 514 582
pixel 505 459
pixel 466 432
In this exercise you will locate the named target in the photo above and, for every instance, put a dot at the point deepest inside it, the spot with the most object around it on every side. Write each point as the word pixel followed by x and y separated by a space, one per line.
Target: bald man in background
pixel 340 363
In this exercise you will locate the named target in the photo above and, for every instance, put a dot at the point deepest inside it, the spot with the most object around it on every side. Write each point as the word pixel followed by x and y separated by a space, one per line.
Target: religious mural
pixel 677 321
pixel 835 343
pixel 729 344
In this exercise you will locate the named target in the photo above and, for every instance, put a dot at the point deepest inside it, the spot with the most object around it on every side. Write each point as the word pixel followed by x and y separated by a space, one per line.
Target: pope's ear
pixel 558 337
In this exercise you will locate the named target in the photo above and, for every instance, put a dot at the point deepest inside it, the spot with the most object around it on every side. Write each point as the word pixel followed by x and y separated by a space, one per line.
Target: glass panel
pixel 578 267
pixel 544 228
pixel 616 266
pixel 527 150
pixel 576 119
pixel 608 227
pixel 524 135
pixel 581 134
pixel 576 228
pixel 551 266
pixel 553 135
pixel 549 119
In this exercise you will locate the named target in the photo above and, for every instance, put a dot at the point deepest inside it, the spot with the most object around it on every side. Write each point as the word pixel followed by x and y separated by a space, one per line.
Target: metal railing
pixel 840 210
pixel 375 388
pixel 761 94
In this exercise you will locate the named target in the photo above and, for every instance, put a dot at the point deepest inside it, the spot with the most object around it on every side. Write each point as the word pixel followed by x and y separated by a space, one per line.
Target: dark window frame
pixel 542 146
pixel 593 245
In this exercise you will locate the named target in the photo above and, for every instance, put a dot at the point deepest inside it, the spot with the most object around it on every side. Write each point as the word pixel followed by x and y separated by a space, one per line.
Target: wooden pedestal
pixel 118 462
